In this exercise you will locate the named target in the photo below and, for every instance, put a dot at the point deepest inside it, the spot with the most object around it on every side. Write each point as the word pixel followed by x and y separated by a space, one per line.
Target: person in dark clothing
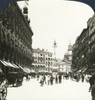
pixel 93 91
pixel 41 82
pixel 37 77
pixel 51 80
pixel 44 79
pixel 82 78
pixel 91 81
pixel 56 79
pixel 60 78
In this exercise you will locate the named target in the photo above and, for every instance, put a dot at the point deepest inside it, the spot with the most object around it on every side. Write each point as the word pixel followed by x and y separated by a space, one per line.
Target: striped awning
pixel 26 70
pixel 91 70
pixel 21 67
pixel 15 65
pixel 8 64
pixel 84 69
pixel 75 69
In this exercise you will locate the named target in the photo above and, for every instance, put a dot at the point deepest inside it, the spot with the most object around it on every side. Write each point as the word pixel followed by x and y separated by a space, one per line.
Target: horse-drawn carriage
pixel 15 79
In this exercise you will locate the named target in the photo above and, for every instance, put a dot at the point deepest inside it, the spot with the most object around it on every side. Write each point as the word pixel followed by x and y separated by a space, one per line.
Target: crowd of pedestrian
pixel 49 79
pixel 57 79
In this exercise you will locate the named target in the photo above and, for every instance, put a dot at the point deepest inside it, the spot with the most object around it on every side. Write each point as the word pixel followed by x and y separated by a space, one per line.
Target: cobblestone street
pixel 67 90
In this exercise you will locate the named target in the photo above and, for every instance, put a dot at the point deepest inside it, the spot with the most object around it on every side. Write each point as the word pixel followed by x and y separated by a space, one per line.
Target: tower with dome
pixel 64 66
pixel 68 59
pixel 68 54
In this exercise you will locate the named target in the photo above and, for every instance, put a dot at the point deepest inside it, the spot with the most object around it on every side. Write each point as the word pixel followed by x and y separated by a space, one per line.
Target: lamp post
pixel 54 46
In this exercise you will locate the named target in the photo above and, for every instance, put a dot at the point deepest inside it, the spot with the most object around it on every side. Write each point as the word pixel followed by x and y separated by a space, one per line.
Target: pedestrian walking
pixel 51 80
pixel 41 81
pixel 91 81
pixel 60 78
pixel 82 78
pixel 44 79
pixel 37 77
pixel 48 79
pixel 93 91
pixel 56 79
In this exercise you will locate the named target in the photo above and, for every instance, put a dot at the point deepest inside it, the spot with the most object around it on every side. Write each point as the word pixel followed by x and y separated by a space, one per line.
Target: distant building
pixel 68 59
pixel 68 54
pixel 42 60
pixel 64 66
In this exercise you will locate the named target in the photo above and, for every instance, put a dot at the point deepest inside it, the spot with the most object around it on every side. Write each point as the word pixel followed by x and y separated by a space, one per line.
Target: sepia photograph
pixel 47 50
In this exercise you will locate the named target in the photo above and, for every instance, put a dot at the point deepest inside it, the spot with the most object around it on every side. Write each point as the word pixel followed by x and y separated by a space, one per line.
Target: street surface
pixel 67 90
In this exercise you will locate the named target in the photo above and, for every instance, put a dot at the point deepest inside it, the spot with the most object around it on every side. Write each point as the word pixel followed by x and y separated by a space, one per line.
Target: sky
pixel 56 20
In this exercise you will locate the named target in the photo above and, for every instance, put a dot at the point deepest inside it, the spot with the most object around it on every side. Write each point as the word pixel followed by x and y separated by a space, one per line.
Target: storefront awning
pixel 75 69
pixel 84 69
pixel 8 64
pixel 21 67
pixel 78 71
pixel 15 66
pixel 91 70
pixel 3 63
pixel 26 70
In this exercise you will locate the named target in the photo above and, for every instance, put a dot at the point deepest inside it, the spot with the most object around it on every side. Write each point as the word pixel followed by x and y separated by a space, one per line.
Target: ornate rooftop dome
pixel 69 47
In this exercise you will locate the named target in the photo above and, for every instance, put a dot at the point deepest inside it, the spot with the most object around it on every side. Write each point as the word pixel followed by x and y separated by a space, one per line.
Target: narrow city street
pixel 49 40
pixel 67 90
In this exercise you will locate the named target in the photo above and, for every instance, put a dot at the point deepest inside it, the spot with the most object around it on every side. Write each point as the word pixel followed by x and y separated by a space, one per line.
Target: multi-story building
pixel 64 66
pixel 42 60
pixel 91 30
pixel 15 39
pixel 80 51
pixel 84 48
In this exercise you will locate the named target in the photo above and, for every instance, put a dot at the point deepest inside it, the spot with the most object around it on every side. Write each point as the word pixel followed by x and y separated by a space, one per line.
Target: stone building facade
pixel 42 60
pixel 84 48
pixel 80 51
pixel 15 38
